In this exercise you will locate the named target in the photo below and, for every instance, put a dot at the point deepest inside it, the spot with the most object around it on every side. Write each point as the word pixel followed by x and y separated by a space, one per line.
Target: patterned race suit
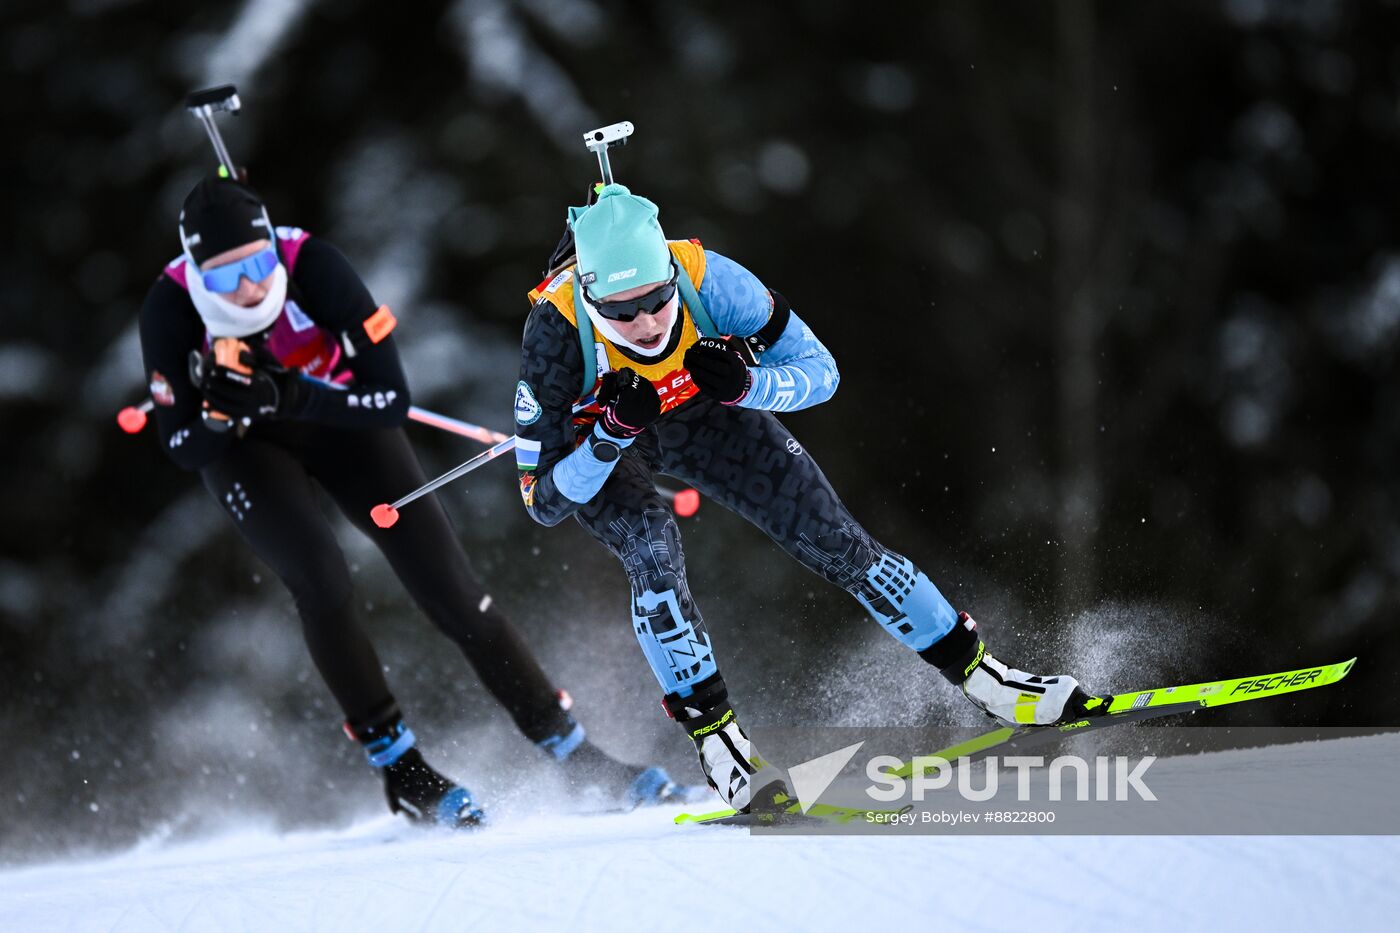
pixel 739 456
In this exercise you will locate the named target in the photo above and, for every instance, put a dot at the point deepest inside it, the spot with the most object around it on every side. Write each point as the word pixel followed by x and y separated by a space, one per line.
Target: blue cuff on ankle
pixel 381 755
pixel 650 786
pixel 562 746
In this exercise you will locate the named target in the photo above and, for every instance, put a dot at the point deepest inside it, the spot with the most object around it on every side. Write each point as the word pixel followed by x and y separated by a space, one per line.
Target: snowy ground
pixel 637 870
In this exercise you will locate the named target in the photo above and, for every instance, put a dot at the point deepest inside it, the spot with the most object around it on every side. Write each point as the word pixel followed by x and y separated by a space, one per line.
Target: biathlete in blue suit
pixel 687 356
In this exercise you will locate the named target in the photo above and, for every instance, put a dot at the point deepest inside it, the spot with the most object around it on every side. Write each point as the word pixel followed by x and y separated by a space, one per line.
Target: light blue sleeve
pixel 737 301
pixel 581 474
pixel 797 371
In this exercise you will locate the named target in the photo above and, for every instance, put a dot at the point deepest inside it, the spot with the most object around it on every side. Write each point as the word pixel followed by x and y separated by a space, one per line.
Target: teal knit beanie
pixel 619 242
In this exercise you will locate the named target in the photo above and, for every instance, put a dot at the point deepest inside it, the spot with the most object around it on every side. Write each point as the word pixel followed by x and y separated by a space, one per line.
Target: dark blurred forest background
pixel 1114 289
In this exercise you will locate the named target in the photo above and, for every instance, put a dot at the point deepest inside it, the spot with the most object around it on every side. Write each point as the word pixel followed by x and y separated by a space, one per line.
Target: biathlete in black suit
pixel 295 382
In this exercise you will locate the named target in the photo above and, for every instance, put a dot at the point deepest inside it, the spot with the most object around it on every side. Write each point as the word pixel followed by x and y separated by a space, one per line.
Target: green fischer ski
pixel 1238 690
pixel 786 811
pixel 1114 710
pixel 1137 705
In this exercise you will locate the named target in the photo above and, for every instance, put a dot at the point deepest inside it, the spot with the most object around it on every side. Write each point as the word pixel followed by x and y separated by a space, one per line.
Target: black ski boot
pixel 413 787
pixel 590 770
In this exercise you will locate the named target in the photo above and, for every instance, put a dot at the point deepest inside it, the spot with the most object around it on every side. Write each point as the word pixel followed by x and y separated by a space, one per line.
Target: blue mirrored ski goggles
pixel 256 267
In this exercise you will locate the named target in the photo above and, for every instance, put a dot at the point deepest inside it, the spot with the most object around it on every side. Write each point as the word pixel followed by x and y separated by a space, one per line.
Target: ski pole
pixel 685 501
pixel 386 513
pixel 132 420
pixel 465 428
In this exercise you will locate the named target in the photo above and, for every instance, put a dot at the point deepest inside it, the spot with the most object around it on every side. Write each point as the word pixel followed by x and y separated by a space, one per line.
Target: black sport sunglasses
pixel 627 310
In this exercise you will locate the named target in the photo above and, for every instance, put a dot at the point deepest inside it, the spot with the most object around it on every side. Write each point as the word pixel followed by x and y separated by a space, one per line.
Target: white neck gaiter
pixel 223 318
pixel 605 326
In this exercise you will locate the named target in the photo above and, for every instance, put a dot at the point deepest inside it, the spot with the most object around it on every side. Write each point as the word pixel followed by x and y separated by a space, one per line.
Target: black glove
pixel 718 371
pixel 267 390
pixel 629 403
